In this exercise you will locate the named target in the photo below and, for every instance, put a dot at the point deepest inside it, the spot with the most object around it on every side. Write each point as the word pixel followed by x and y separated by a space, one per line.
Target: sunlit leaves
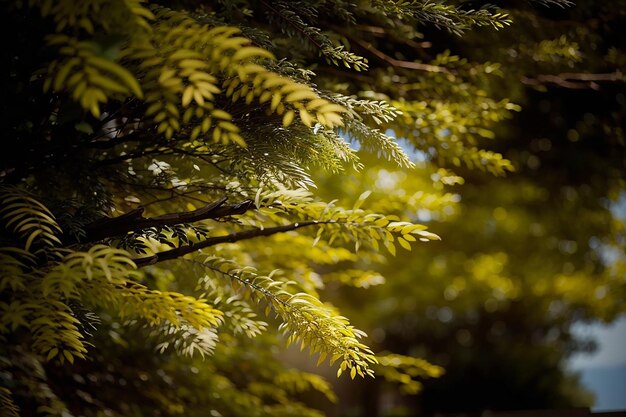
pixel 444 16
pixel 102 276
pixel 404 370
pixel 6 403
pixel 182 66
pixel 304 318
pixel 30 220
pixel 449 132
pixel 171 108
pixel 290 18
pixel 335 224
pixel 239 316
pixel 94 15
pixel 297 382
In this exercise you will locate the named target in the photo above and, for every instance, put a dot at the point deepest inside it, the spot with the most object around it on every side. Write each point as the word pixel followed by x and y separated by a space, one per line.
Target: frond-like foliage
pixel 239 315
pixel 185 339
pixel 180 68
pixel 333 223
pixel 7 406
pixel 289 16
pixel 373 140
pixel 163 159
pixel 297 382
pixel 304 318
pixel 29 221
pixel 100 277
pixel 405 370
pixel 356 278
pixel 444 16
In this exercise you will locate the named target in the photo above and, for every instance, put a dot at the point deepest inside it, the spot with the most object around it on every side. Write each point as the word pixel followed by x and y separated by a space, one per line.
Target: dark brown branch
pixel 212 241
pixel 575 81
pixel 134 219
pixel 396 62
pixel 611 76
pixel 378 31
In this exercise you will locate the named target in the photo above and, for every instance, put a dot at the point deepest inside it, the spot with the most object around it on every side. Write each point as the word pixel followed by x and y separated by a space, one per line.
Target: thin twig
pixel 396 62
pixel 381 32
pixel 577 81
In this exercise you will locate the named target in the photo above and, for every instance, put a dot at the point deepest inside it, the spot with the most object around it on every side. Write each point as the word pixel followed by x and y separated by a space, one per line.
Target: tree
pixel 155 196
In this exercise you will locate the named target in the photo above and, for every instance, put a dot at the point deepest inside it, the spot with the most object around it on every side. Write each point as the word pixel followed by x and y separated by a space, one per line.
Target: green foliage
pixel 6 403
pixel 291 22
pixel 403 369
pixel 523 260
pixel 158 198
pixel 30 222
pixel 449 17
pixel 41 300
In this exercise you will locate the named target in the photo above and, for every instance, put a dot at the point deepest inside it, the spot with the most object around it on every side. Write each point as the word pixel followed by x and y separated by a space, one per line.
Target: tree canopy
pixel 187 187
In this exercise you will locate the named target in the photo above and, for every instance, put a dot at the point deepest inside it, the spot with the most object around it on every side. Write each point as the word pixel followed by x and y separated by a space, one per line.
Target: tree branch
pixel 576 81
pixel 396 62
pixel 212 241
pixel 378 31
pixel 106 141
pixel 134 219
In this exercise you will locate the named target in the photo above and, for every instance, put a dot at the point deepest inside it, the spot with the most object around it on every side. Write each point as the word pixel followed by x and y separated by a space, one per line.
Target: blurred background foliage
pixel 517 139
